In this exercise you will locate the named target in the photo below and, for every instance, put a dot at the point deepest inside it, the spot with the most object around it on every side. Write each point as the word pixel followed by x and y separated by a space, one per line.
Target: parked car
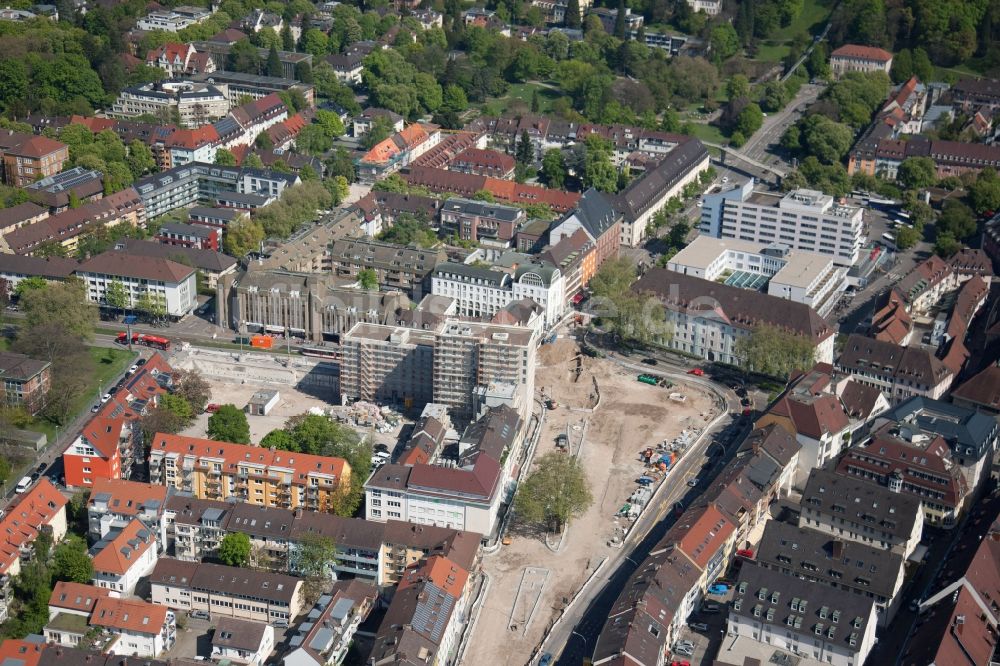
pixel 745 552
pixel 718 588
pixel 697 372
pixel 680 663
pixel 141 361
pixel 133 369
pixel 683 651
pixel 211 408
pixel 545 660
pixel 694 482
pixel 381 448
pixel 40 468
pixel 200 615
pixel 650 361
pixel 698 626
pixel 280 624
pixel 23 484
pixel 644 481
pixel 96 408
pixel 105 397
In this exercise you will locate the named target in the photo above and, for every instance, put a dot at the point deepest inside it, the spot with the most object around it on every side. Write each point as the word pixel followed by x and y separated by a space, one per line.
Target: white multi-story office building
pixel 797 275
pixel 801 219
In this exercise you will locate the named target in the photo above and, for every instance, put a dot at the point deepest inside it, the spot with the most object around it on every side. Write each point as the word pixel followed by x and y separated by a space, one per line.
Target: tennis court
pixel 745 280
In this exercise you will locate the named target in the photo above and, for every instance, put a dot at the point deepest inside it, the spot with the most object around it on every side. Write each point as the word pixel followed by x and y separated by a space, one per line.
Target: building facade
pixel 801 219
pixel 168 285
pixel 220 470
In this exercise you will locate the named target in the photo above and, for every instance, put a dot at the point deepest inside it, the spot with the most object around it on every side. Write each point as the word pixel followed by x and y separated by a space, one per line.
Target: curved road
pixel 573 639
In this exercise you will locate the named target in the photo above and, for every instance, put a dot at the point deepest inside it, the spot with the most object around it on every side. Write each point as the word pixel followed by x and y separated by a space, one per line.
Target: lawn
pixel 810 20
pixel 709 133
pixel 525 92
pixel 107 364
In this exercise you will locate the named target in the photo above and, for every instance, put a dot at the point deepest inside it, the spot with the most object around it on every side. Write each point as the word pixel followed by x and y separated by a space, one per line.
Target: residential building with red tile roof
pixel 912 464
pixel 41 507
pixel 448 148
pixel 172 58
pixel 899 372
pixel 124 558
pixel 114 503
pixel 397 151
pixel 981 391
pixel 892 323
pixel 959 622
pixel 340 613
pixel 27 157
pixel 66 228
pixel 815 416
pixel 140 628
pixel 856 58
pixel 250 120
pixel 253 474
pixel 74 598
pixel 484 163
pixel 443 181
pixel 21 652
pixel 469 493
pixel 283 134
pixel 923 286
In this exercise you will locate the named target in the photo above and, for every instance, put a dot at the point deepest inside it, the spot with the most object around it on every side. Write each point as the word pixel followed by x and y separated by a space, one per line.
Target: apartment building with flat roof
pixel 457 363
pixel 801 219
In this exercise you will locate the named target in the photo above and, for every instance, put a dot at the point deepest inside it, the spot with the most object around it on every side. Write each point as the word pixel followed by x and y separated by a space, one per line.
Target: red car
pixel 697 372
pixel 747 412
pixel 745 552
pixel 211 408
pixel 680 663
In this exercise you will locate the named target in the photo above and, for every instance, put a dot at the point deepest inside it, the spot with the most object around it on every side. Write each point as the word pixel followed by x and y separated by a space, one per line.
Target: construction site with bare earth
pixel 601 412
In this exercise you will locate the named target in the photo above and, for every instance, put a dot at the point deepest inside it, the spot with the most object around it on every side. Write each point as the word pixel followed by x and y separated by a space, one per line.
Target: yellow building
pixel 251 474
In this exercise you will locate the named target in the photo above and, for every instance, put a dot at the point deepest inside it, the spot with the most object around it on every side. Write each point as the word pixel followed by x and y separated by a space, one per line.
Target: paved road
pixel 759 146
pixel 575 637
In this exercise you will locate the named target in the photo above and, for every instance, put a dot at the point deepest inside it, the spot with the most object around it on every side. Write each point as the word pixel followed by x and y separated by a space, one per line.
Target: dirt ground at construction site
pixel 608 426
pixel 291 402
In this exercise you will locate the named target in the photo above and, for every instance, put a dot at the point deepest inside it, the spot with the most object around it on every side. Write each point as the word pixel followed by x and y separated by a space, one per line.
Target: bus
pixel 144 339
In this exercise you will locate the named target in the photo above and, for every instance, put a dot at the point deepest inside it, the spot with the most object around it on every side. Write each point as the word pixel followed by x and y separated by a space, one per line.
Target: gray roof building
pixel 971 435
pixel 838 563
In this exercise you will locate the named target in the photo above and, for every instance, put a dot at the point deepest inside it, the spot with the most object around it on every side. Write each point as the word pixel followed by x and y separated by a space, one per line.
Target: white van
pixel 23 484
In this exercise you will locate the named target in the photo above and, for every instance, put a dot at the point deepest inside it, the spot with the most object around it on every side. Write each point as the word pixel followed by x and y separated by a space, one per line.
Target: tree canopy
pixel 229 424
pixel 775 351
pixel 554 492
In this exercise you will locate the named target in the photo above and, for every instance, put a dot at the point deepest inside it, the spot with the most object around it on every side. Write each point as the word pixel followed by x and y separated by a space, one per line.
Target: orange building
pixel 27 158
pixel 252 474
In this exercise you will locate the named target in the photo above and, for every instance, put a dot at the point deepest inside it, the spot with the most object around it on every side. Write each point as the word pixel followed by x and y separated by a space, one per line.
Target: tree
pixel 225 157
pixel 242 237
pixel 140 159
pixel 984 194
pixel 281 440
pixel 572 16
pixel 381 130
pixel 554 492
pixel 525 152
pixel 737 86
pixel 61 303
pixel 243 57
pixel 622 310
pixel 410 230
pixel 32 282
pixel 553 168
pixel 71 562
pixel 775 351
pixel 906 238
pixel 368 279
pixel 774 96
pixel 946 245
pixel 749 120
pixel 178 406
pixel 598 170
pixel 274 66
pixel 115 296
pixel 190 385
pixel 229 424
pixel 823 138
pixel 917 173
pixel 313 557
pixel 957 220
pixel 724 41
pixel 620 31
pixel 159 420
pixel 234 549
